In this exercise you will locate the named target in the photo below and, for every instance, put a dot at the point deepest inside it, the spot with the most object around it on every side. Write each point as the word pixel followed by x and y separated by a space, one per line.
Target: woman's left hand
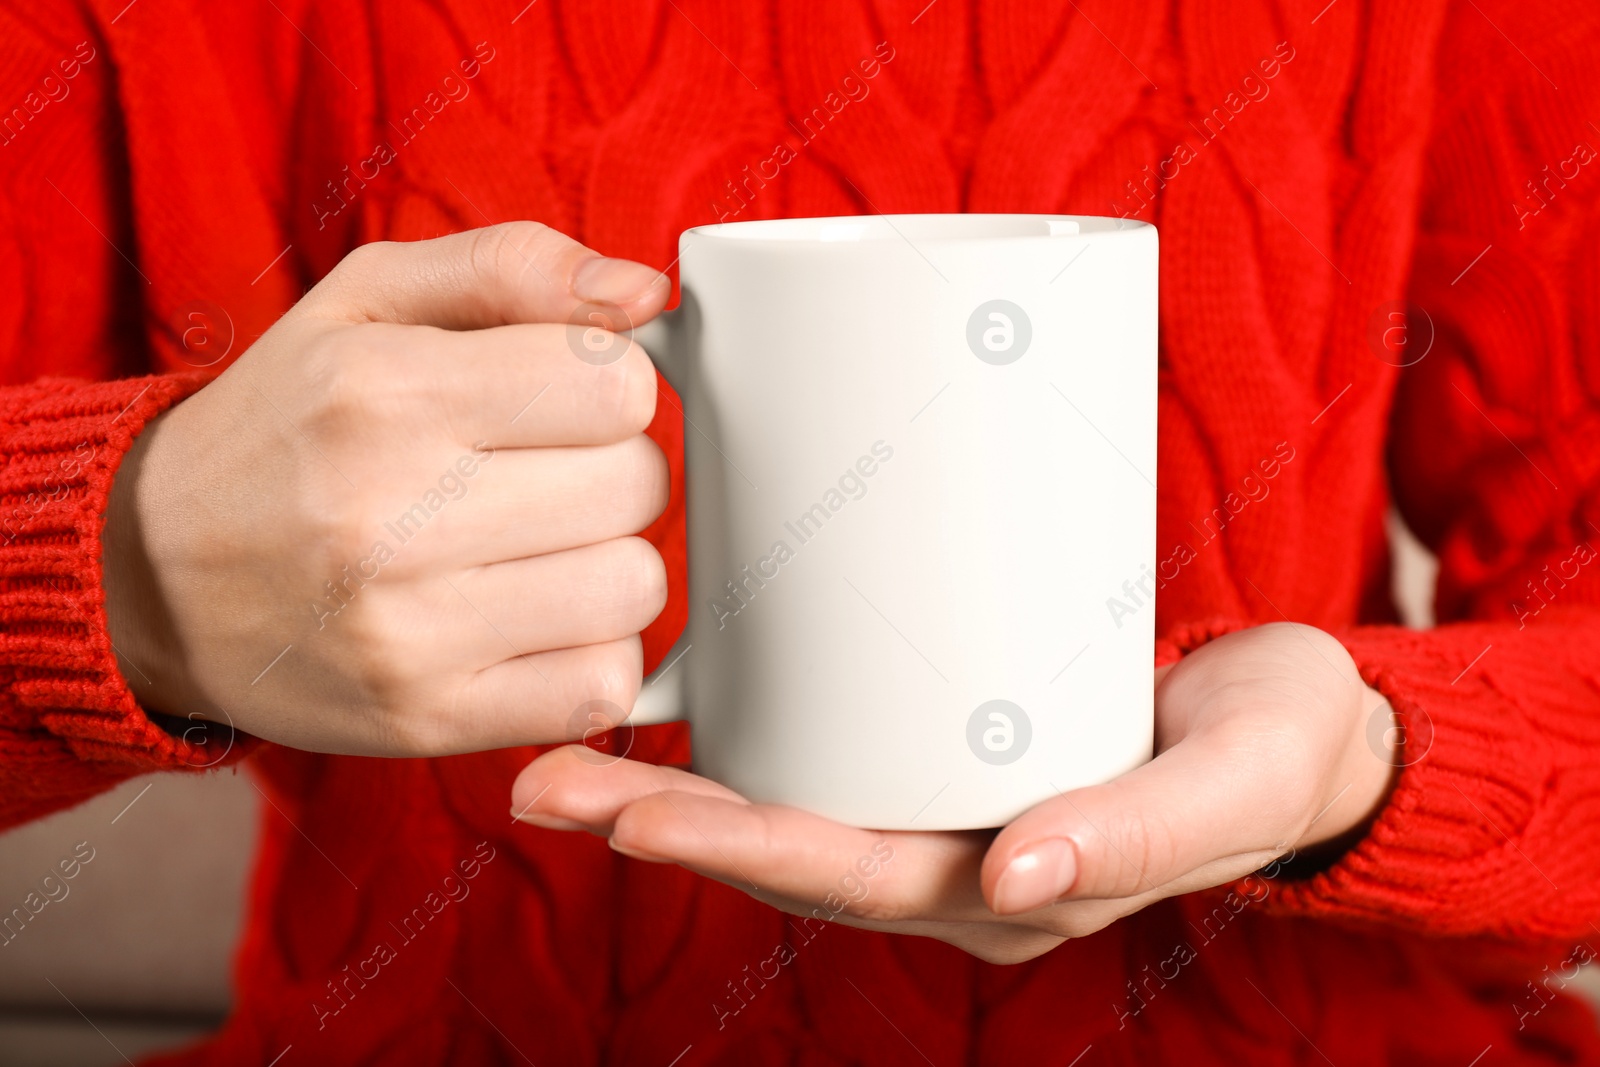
pixel 1262 741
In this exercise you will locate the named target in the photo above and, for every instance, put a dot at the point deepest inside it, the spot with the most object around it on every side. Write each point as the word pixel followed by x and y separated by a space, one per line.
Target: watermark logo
pixel 999 332
pixel 602 734
pixel 741 191
pixel 341 590
pixel 1400 742
pixel 999 732
pixel 199 735
pixel 741 590
pixel 205 332
pixel 1253 488
pixel 1551 583
pixel 1400 333
pixel 351 181
pixel 853 887
pixel 52 888
pixel 454 888
pixel 48 90
pixel 596 339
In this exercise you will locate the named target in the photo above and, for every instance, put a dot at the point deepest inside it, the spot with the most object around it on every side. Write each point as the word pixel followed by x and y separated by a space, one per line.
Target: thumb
pixel 518 272
pixel 1197 815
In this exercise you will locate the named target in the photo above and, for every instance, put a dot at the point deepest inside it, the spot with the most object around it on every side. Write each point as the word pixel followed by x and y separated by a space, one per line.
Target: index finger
pixel 518 272
pixel 668 815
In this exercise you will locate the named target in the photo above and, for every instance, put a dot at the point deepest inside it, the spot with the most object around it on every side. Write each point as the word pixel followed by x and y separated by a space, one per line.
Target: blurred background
pixel 136 956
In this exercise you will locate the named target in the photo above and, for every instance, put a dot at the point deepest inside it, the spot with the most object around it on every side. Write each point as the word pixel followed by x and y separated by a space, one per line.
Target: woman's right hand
pixel 401 524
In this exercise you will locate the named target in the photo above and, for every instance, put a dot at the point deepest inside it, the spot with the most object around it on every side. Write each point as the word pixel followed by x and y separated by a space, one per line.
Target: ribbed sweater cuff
pixel 63 441
pixel 1443 853
pixel 1451 851
pixel 1183 639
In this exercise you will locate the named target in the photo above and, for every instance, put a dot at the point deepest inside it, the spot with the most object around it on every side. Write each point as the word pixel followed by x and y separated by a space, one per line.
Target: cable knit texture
pixel 1309 164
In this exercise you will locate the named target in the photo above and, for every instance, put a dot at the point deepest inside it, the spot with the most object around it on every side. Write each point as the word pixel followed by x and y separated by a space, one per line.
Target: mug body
pixel 921 454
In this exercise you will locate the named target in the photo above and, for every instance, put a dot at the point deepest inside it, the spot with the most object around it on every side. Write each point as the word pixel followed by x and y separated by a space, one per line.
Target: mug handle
pixel 661 338
pixel 661 694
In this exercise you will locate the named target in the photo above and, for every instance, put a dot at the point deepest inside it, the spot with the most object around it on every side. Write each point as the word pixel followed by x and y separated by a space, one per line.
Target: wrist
pixel 137 618
pixel 1364 778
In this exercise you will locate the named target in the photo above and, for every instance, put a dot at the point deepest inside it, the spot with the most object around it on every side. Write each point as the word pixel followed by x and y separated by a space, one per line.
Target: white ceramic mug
pixel 921 453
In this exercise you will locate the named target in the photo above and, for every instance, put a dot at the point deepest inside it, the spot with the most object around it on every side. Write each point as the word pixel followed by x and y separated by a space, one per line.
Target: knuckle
pixel 377 659
pixel 646 478
pixel 622 394
pixel 363 261
pixel 412 735
pixel 610 674
pixel 483 254
pixel 1130 845
pixel 642 577
pixel 354 379
pixel 341 531
pixel 885 899
pixel 337 380
pixel 330 523
pixel 633 399
pixel 880 906
pixel 326 537
pixel 501 254
pixel 1142 854
pixel 524 237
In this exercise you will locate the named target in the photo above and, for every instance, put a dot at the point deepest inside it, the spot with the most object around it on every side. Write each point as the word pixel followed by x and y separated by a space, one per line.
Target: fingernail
pixel 549 822
pixel 1037 877
pixel 614 281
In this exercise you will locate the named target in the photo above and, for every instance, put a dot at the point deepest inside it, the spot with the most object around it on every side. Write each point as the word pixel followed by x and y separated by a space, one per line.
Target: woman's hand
pixel 400 523
pixel 1263 744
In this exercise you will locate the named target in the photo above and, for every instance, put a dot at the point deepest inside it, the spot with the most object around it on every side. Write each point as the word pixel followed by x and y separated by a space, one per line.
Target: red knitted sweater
pixel 1310 165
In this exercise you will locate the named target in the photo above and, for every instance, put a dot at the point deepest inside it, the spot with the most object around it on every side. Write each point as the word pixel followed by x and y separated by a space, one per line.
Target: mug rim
pixel 931 227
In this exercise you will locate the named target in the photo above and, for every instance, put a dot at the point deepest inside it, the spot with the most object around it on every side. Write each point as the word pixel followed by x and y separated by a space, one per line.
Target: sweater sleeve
pixel 70 333
pixel 1494 826
pixel 69 726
